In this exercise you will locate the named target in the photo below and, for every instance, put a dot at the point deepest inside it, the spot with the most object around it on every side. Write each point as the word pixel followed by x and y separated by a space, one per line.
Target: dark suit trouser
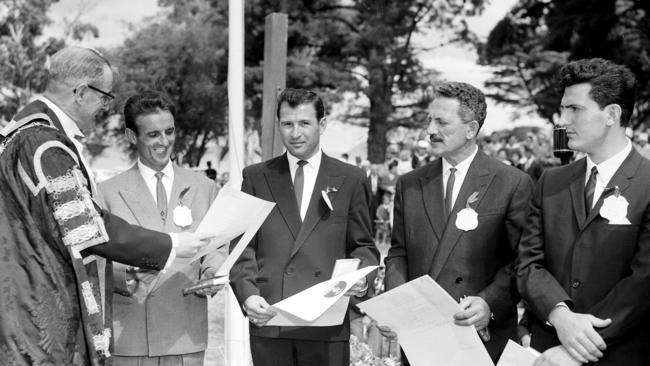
pixel 294 352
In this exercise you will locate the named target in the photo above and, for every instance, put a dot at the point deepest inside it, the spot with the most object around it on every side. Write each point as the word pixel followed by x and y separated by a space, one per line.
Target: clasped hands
pixel 259 312
pixel 581 343
pixel 476 312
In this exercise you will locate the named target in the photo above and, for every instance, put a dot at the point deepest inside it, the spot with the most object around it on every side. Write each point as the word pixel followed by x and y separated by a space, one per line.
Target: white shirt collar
pixel 70 127
pixel 149 174
pixel 313 162
pixel 608 168
pixel 463 166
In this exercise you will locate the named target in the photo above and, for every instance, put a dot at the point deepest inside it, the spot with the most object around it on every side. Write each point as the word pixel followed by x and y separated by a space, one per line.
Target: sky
pixel 115 18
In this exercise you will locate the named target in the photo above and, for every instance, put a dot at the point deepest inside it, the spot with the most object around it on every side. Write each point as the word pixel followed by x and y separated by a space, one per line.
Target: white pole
pixel 236 326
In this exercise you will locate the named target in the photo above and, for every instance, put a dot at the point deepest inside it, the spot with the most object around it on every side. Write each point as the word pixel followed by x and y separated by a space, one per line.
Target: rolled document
pixel 209 282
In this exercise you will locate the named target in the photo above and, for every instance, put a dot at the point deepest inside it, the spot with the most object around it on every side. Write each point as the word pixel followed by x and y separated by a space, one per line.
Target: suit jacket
pixel 52 218
pixel 287 256
pixel 154 318
pixel 479 262
pixel 595 267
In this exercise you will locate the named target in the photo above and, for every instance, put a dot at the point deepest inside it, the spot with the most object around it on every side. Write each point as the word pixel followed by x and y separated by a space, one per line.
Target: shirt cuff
pixel 172 253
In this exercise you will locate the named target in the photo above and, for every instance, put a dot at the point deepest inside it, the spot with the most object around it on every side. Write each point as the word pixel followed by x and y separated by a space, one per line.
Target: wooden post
pixel 275 79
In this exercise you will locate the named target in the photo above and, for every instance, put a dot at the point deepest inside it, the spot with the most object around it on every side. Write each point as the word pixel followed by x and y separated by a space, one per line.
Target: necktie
pixel 449 191
pixel 299 182
pixel 590 188
pixel 161 196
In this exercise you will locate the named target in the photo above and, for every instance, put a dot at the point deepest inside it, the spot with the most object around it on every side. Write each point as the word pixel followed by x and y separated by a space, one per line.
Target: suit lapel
pixel 180 184
pixel 432 198
pixel 138 199
pixel 577 189
pixel 478 179
pixel 317 208
pixel 620 179
pixel 279 181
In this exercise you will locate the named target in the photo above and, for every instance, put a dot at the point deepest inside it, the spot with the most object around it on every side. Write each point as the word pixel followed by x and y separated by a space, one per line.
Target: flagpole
pixel 237 343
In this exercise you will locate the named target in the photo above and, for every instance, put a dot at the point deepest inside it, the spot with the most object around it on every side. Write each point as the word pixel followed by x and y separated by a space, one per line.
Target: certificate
pixel 422 314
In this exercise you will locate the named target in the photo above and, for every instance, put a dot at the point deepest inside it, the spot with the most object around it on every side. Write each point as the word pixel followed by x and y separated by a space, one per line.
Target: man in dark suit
pixel 321 215
pixel 459 219
pixel 53 237
pixel 584 261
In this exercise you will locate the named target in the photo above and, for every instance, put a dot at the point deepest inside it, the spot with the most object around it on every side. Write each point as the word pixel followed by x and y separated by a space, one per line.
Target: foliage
pixel 536 38
pixel 22 59
pixel 364 47
pixel 184 55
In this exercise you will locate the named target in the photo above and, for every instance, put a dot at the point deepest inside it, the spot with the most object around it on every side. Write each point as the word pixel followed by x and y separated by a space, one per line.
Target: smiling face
pixel 586 123
pixel 155 138
pixel 300 129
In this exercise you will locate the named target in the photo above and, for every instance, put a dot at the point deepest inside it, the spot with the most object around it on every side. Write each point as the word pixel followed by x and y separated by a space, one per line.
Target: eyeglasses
pixel 106 97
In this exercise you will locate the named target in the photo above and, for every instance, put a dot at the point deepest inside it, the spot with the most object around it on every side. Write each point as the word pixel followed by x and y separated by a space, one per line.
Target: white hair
pixel 75 65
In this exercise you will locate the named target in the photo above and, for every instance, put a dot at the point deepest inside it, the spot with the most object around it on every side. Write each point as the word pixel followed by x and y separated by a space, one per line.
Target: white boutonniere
pixel 614 208
pixel 325 193
pixel 467 218
pixel 182 214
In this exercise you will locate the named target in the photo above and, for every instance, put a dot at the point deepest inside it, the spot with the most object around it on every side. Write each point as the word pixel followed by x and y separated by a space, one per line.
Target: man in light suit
pixel 154 323
pixel 584 261
pixel 304 235
pixel 432 233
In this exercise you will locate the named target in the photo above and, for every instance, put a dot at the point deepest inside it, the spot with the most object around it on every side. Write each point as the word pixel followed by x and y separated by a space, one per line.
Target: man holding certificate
pixel 322 214
pixel 154 323
pixel 459 219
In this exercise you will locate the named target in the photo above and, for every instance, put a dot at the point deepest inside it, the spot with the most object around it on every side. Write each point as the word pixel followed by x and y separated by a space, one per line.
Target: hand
pixel 258 311
pixel 359 289
pixel 476 312
pixel 190 243
pixel 525 341
pixel 556 356
pixel 209 291
pixel 386 332
pixel 577 334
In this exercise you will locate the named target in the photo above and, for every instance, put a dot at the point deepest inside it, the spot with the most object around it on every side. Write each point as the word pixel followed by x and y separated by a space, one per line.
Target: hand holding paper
pixel 191 243
pixel 258 311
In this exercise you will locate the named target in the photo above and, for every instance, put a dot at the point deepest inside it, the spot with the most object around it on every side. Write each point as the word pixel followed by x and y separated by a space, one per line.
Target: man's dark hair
pixel 471 99
pixel 296 97
pixel 610 83
pixel 143 103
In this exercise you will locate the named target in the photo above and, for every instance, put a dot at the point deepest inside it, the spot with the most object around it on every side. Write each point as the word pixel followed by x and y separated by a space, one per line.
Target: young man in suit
pixel 459 219
pixel 300 241
pixel 154 323
pixel 55 240
pixel 584 260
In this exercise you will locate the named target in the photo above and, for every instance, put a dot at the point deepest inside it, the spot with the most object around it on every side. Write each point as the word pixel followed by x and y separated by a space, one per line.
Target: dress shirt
pixel 461 173
pixel 149 177
pixel 606 170
pixel 310 171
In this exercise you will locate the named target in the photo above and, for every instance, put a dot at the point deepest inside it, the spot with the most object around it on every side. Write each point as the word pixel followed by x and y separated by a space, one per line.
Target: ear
pixel 614 113
pixel 131 136
pixel 322 124
pixel 472 130
pixel 79 93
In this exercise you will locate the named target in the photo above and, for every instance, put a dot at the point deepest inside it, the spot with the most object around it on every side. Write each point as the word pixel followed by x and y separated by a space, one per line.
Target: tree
pixel 364 47
pixel 184 55
pixel 536 38
pixel 22 59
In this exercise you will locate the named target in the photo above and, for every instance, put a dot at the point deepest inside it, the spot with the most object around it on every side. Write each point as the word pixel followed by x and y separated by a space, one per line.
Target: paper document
pixel 231 214
pixel 422 314
pixel 516 355
pixel 320 305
